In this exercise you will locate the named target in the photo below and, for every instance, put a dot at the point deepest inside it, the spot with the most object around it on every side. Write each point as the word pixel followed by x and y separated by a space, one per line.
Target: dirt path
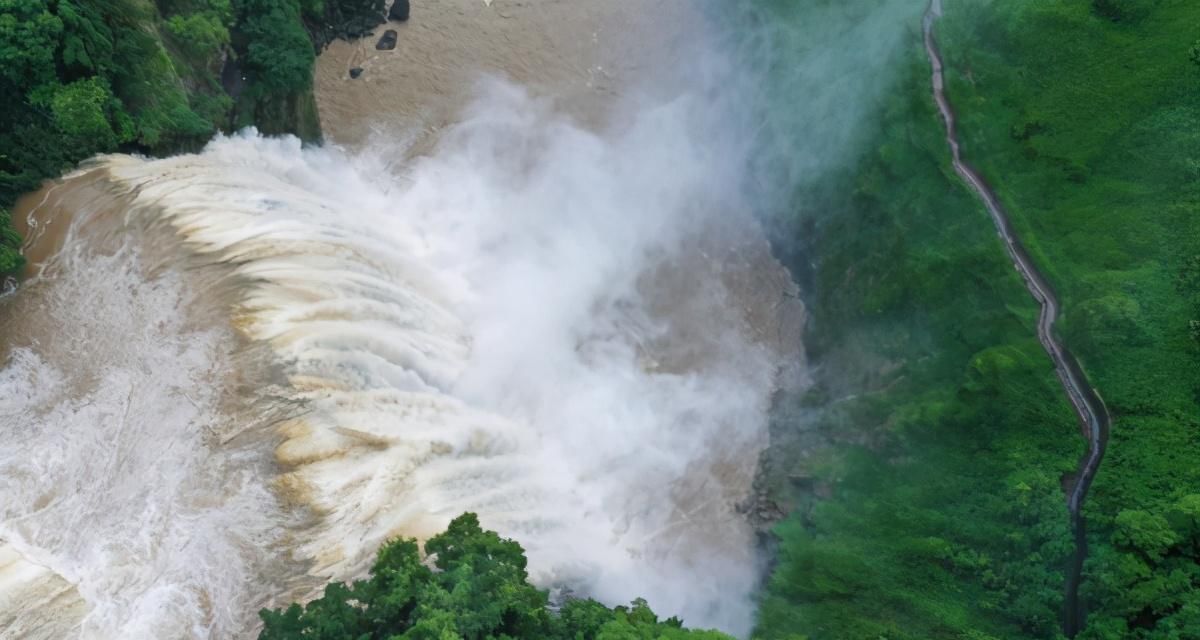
pixel 1089 407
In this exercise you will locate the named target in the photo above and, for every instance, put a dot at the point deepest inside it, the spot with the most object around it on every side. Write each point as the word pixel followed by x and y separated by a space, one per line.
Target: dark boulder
pixel 388 41
pixel 355 73
pixel 399 11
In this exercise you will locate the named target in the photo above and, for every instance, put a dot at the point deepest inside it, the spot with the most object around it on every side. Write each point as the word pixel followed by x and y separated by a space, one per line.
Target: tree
pixel 280 56
pixel 477 588
pixel 87 44
pixel 1142 531
pixel 201 35
pixel 29 35
pixel 87 111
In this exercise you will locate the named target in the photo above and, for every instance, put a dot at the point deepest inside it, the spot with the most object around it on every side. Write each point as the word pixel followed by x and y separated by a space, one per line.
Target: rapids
pixel 247 368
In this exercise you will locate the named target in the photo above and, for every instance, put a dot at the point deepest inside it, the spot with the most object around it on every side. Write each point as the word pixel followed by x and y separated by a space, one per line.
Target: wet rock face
pixel 232 79
pixel 388 41
pixel 399 10
pixel 345 19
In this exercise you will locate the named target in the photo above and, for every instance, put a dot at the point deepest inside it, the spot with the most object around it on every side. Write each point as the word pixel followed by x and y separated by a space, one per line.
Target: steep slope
pixel 1086 117
pixel 927 471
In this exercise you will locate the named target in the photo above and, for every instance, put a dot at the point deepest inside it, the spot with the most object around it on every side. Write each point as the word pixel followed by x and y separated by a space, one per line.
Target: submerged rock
pixel 388 41
pixel 355 73
pixel 399 11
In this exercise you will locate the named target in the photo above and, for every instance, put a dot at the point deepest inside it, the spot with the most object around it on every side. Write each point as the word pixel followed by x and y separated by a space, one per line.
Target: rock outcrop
pixel 345 19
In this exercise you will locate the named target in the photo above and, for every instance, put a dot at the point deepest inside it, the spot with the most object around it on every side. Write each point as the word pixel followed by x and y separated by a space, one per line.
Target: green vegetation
pixel 1087 120
pixel 477 588
pixel 79 78
pixel 201 35
pixel 932 507
pixel 927 492
pixel 278 54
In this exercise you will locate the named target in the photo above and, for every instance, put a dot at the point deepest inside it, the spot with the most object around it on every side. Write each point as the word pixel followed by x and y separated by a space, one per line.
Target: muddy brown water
pixel 583 56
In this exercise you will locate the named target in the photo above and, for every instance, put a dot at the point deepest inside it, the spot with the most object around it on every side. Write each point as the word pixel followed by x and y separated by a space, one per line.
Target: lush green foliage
pixel 932 507
pixel 928 488
pixel 279 55
pixel 476 588
pixel 1099 164
pixel 201 35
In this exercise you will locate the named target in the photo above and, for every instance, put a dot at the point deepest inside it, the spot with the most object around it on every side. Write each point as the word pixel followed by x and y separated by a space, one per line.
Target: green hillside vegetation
pixel 926 468
pixel 79 78
pixel 1086 118
pixel 933 509
pixel 477 588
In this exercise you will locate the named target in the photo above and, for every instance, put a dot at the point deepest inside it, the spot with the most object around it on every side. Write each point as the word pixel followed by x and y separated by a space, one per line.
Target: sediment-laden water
pixel 247 368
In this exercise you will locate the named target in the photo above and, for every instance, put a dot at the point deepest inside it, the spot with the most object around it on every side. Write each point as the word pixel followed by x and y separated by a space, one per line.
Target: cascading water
pixel 126 509
pixel 267 360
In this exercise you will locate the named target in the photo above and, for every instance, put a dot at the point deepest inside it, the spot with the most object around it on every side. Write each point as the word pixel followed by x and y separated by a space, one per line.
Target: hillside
pixel 929 500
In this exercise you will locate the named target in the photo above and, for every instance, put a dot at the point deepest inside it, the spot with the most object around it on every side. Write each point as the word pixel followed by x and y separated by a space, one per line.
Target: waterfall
pixel 267 360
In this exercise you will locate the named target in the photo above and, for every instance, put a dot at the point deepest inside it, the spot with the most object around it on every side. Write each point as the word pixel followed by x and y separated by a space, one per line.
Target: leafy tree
pixel 280 56
pixel 1142 531
pixel 87 111
pixel 29 35
pixel 477 588
pixel 201 35
pixel 87 44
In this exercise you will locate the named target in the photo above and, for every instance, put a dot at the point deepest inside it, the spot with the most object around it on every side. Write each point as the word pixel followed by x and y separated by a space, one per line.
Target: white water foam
pixel 500 329
pixel 109 476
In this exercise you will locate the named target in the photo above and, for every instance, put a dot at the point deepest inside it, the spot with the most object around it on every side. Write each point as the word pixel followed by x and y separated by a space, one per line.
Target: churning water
pixel 251 366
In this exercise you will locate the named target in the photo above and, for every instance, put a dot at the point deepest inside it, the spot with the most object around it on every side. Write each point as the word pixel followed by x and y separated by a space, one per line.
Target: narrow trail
pixel 1089 407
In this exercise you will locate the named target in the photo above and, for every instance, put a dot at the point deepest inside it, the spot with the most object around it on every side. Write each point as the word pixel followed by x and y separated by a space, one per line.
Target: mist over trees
pixel 476 588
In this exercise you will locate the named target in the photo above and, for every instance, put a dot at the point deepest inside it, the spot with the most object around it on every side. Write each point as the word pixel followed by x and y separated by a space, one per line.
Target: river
pixel 521 278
